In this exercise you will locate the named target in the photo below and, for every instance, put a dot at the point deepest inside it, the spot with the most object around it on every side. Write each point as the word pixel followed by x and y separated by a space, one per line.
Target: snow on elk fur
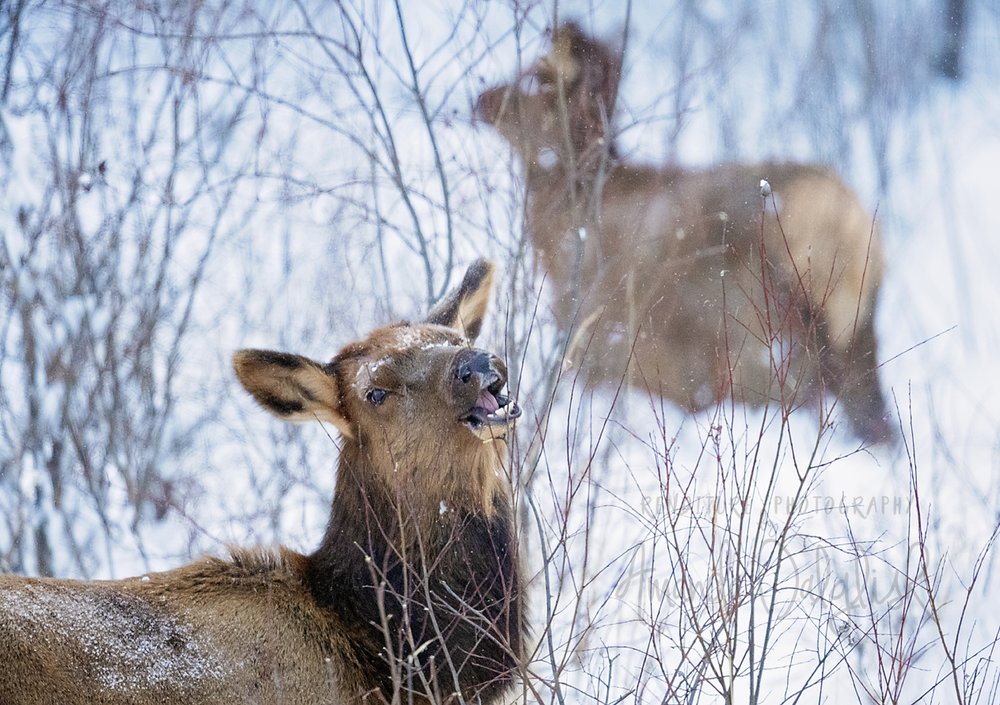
pixel 695 285
pixel 412 596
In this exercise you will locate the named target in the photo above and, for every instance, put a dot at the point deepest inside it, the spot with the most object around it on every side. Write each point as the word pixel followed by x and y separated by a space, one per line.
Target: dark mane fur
pixel 451 581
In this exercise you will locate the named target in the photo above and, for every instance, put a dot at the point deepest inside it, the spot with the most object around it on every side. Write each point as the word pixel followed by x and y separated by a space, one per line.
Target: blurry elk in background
pixel 412 596
pixel 696 285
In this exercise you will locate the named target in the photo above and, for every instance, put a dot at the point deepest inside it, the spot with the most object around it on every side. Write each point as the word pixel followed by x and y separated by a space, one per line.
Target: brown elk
pixel 696 285
pixel 412 596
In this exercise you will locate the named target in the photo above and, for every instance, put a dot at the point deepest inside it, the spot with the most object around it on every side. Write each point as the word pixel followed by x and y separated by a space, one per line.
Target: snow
pixel 310 263
pixel 131 647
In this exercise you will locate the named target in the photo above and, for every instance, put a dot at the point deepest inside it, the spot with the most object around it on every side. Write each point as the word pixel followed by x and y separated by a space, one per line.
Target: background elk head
pixel 559 111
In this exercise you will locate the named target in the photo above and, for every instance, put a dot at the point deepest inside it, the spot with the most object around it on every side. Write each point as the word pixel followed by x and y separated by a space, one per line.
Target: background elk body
pixel 677 279
pixel 413 592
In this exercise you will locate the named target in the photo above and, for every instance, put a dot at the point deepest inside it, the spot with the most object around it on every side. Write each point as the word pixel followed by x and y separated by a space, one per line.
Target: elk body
pixel 412 596
pixel 687 283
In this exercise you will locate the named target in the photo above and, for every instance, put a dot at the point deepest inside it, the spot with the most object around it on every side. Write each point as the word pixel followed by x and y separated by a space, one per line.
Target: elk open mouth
pixel 492 409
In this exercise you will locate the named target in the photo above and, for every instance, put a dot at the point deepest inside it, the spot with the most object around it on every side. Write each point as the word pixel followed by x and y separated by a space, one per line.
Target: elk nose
pixel 478 366
pixel 488 105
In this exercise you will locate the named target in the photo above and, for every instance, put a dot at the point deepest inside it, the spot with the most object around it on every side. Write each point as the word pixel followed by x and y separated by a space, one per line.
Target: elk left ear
pixel 464 308
pixel 291 387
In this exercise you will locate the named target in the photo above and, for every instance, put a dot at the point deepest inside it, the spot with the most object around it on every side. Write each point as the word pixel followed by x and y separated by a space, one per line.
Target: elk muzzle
pixel 479 379
pixel 489 104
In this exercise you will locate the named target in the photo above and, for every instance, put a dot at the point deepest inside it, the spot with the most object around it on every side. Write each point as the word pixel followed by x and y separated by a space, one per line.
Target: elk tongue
pixel 487 401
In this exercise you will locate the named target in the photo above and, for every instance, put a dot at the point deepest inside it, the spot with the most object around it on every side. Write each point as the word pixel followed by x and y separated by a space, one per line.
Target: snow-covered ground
pixel 312 254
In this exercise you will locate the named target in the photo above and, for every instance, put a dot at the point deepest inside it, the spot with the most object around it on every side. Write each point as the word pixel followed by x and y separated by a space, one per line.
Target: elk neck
pixel 422 568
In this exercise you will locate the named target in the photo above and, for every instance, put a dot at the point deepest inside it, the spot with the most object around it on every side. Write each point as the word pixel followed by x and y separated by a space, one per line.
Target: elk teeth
pixel 503 413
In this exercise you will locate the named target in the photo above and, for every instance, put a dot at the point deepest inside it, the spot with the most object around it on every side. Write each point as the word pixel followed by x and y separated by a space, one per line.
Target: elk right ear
pixel 564 57
pixel 464 308
pixel 597 64
pixel 291 387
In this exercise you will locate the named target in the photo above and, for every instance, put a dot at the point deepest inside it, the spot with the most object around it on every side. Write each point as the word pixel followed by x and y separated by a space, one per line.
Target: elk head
pixel 559 110
pixel 415 402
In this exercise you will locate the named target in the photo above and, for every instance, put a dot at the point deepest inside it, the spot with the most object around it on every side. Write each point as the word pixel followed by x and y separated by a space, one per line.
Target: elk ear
pixel 291 387
pixel 564 57
pixel 598 65
pixel 463 309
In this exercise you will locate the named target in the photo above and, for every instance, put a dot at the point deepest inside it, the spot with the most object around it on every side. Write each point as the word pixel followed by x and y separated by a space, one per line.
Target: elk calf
pixel 685 281
pixel 413 594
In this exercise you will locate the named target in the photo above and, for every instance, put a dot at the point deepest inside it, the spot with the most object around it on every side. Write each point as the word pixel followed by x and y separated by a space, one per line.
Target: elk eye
pixel 377 396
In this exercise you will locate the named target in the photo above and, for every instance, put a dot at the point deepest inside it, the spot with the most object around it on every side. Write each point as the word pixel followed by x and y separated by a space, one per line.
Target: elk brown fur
pixel 412 596
pixel 693 284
